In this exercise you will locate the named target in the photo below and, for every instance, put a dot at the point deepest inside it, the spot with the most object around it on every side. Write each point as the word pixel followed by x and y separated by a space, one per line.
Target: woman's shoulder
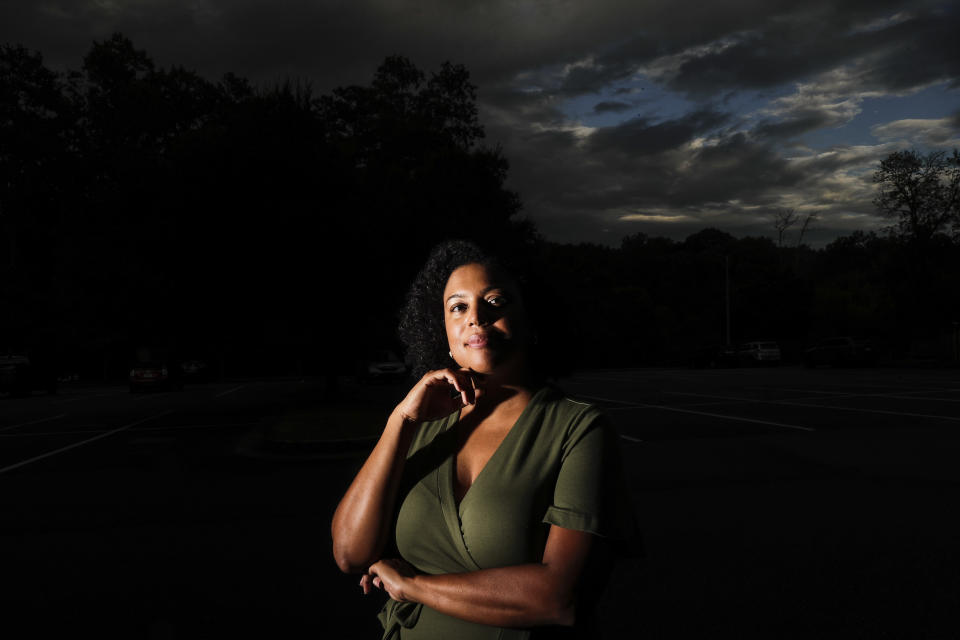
pixel 567 412
pixel 430 430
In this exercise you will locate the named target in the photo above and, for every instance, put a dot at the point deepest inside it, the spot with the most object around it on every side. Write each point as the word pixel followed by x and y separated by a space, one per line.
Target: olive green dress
pixel 558 465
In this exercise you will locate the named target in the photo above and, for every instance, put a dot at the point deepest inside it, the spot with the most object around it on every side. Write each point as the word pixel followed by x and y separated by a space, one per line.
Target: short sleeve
pixel 591 492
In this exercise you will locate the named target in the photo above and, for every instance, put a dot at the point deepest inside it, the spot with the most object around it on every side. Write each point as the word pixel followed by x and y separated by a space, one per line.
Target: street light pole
pixel 726 268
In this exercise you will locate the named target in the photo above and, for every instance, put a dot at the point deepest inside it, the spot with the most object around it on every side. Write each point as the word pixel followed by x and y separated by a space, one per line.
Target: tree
pixel 921 193
pixel 808 220
pixel 125 186
pixel 34 141
pixel 783 219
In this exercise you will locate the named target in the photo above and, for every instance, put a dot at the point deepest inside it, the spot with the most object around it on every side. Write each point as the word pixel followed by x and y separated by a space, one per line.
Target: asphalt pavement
pixel 775 503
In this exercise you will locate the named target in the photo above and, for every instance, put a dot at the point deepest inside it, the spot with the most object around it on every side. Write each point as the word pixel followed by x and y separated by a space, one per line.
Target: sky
pixel 660 117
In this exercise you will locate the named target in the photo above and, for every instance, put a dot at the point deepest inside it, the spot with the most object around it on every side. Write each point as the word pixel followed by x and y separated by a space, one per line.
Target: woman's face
pixel 484 317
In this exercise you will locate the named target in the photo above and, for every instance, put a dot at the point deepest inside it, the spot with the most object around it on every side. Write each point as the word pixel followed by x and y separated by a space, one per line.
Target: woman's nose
pixel 479 317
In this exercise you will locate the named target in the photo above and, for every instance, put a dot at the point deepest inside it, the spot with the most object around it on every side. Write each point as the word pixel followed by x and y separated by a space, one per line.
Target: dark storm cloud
pixel 602 183
pixel 840 54
pixel 254 39
pixel 743 43
pixel 640 136
pixel 919 48
pixel 733 170
pixel 610 66
pixel 918 51
pixel 688 166
pixel 600 193
pixel 611 106
pixel 793 126
pixel 330 43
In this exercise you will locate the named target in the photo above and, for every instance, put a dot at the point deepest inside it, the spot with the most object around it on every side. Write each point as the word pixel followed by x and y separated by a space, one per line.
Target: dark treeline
pixel 271 230
pixel 655 300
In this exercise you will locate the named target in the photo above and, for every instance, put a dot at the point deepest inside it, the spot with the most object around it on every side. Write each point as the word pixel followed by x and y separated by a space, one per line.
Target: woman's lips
pixel 477 341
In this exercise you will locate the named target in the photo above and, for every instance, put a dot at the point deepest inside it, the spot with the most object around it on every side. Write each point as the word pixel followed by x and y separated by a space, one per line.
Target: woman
pixel 500 495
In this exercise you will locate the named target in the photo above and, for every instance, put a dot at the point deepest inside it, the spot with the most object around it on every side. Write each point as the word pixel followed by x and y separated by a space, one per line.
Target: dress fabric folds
pixel 558 465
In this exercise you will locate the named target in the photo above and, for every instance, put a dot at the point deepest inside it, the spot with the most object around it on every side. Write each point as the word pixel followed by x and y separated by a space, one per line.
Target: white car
pixel 760 352
pixel 384 365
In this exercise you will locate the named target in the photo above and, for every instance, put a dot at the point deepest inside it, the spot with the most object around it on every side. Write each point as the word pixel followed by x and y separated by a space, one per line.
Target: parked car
pixel 149 376
pixel 714 357
pixel 385 365
pixel 840 352
pixel 195 370
pixel 19 376
pixel 757 352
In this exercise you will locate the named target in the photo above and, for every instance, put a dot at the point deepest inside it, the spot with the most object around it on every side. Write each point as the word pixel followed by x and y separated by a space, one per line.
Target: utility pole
pixel 726 268
pixel 956 341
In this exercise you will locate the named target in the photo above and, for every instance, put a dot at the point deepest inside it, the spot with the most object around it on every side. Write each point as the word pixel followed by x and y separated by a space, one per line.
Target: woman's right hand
pixel 433 396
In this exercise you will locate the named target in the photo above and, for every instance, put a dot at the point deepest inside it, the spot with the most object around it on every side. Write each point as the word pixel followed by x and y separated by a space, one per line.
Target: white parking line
pixel 817 406
pixel 24 424
pixel 230 391
pixel 907 395
pixel 637 405
pixel 629 380
pixel 49 454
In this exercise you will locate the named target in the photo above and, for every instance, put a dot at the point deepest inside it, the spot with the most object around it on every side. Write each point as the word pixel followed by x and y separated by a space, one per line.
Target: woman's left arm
pixel 524 595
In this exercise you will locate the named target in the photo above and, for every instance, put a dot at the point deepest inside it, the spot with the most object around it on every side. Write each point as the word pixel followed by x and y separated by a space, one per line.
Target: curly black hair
pixel 422 329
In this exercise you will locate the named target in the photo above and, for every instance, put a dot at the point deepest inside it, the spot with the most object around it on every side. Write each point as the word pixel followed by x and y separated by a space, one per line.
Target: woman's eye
pixel 457 308
pixel 497 301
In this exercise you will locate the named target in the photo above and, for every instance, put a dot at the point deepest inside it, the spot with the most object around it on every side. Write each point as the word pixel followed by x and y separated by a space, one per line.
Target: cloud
pixel 611 106
pixel 655 217
pixel 931 132
pixel 642 136
pixel 695 156
pixel 794 125
pixel 828 100
pixel 897 53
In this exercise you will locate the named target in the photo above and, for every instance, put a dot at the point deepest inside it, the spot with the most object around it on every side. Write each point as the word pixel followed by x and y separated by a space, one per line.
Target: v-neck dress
pixel 558 465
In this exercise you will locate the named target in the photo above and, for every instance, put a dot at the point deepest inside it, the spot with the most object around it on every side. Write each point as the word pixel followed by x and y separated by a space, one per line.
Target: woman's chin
pixel 483 368
pixel 493 366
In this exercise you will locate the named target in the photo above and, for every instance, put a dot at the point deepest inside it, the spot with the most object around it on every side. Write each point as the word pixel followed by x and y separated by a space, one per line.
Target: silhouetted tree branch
pixel 808 220
pixel 783 219
pixel 921 193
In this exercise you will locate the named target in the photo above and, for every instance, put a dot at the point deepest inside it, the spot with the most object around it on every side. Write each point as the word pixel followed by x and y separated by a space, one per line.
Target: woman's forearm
pixel 360 523
pixel 524 595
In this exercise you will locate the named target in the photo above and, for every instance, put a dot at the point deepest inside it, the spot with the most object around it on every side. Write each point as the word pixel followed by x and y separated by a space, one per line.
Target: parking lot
pixel 775 503
pixel 790 502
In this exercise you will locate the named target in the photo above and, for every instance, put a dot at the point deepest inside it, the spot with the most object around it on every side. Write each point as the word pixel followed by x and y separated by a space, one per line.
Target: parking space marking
pixel 75 445
pixel 817 406
pixel 230 391
pixel 637 405
pixel 907 395
pixel 26 424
